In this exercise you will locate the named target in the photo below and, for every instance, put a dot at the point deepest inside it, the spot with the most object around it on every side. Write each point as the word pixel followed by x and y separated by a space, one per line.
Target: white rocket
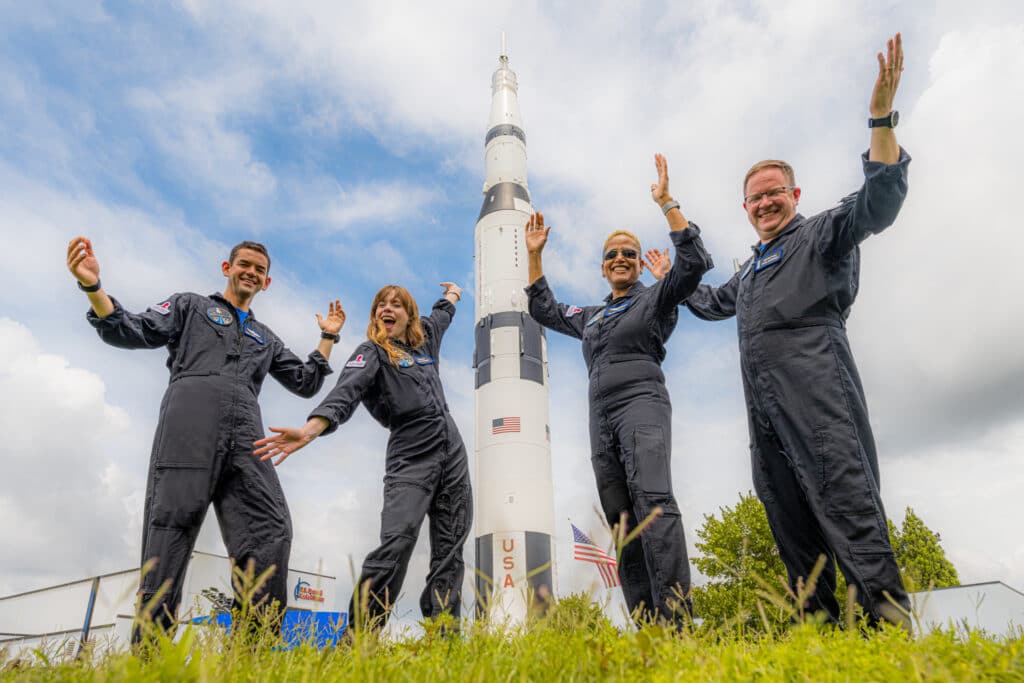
pixel 514 498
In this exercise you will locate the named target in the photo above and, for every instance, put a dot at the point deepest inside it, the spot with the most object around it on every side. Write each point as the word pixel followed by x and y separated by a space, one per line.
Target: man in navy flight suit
pixel 812 451
pixel 219 355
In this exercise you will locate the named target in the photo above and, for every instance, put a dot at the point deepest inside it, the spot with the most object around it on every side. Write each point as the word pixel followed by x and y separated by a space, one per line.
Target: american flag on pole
pixel 585 550
pixel 504 425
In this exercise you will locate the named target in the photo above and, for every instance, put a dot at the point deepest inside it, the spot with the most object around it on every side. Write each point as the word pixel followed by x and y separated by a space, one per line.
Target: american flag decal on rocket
pixel 504 425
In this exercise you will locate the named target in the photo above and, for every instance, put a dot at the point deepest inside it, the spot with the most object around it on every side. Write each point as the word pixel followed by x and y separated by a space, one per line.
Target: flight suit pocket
pixel 842 480
pixel 190 423
pixel 652 472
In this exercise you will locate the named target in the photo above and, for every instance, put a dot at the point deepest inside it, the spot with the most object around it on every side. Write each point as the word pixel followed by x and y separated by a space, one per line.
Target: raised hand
pixel 890 66
pixel 451 290
pixel 284 442
pixel 659 190
pixel 82 261
pixel 335 319
pixel 536 233
pixel 658 263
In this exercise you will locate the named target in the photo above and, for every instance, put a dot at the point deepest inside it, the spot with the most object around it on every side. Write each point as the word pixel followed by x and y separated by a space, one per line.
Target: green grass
pixel 573 642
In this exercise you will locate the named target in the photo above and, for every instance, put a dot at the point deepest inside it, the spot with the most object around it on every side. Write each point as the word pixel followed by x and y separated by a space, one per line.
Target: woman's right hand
pixel 658 263
pixel 284 442
pixel 536 233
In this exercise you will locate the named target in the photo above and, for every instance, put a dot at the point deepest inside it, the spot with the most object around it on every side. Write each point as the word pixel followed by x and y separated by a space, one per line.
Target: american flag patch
pixel 504 425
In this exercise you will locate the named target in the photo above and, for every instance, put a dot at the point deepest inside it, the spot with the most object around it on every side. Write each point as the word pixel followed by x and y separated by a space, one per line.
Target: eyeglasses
pixel 771 194
pixel 626 253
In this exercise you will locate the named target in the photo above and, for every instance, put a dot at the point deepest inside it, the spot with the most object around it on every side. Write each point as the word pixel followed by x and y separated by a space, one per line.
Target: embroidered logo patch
pixel 406 361
pixel 357 362
pixel 424 360
pixel 162 308
pixel 571 310
pixel 769 259
pixel 250 332
pixel 219 315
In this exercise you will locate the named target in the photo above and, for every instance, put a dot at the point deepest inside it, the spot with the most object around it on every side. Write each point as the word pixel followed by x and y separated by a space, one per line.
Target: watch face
pixel 895 118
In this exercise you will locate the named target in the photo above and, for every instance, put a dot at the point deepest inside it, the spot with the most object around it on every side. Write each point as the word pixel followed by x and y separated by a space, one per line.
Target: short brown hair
pixel 253 246
pixel 786 169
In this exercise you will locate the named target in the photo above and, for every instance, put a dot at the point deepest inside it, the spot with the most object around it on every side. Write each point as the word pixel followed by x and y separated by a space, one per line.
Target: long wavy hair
pixel 376 332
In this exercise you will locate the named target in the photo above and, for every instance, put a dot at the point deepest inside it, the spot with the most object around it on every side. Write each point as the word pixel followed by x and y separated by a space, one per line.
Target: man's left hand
pixel 335 319
pixel 890 66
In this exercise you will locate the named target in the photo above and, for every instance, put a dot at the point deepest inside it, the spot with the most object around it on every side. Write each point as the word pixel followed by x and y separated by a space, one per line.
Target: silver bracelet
pixel 668 206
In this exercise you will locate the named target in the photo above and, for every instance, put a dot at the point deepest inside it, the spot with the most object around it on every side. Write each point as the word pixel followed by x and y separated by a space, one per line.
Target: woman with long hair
pixel 395 375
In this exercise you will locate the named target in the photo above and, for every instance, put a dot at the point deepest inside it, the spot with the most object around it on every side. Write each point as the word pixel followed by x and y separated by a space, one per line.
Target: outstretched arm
pixel 883 138
pixel 85 267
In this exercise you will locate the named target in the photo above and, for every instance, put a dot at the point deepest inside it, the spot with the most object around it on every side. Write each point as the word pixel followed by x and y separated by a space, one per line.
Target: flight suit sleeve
pixel 715 303
pixel 303 378
pixel 151 329
pixel 436 324
pixel 567 319
pixel 689 266
pixel 869 211
pixel 355 380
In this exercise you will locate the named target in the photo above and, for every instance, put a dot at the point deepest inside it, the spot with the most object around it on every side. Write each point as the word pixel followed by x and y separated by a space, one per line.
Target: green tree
pixel 739 557
pixel 920 556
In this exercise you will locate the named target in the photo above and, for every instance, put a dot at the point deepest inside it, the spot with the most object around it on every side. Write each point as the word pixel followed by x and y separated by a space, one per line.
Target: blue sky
pixel 349 138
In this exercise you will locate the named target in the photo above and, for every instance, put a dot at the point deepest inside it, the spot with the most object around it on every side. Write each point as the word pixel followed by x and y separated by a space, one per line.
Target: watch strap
pixel 333 337
pixel 668 206
pixel 90 288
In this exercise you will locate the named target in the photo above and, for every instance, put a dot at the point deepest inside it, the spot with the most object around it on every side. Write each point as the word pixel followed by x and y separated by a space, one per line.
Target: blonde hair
pixel 786 169
pixel 376 332
pixel 622 233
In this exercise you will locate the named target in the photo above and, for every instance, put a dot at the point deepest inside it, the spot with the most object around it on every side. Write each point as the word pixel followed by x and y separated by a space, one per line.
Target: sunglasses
pixel 626 253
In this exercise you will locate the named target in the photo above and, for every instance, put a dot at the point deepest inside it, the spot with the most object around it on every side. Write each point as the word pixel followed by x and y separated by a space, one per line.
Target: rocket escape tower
pixel 514 496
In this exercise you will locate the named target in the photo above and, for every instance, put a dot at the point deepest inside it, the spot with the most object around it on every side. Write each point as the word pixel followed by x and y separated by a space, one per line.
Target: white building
pixel 992 607
pixel 58 619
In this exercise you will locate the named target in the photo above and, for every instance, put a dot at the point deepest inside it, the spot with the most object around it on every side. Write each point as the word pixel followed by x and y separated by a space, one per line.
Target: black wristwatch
pixel 90 288
pixel 333 337
pixel 889 121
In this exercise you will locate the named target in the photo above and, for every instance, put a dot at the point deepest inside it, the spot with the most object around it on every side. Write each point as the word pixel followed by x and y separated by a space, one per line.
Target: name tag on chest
pixel 768 260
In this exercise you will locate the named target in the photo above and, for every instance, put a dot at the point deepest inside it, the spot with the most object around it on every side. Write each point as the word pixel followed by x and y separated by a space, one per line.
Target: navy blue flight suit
pixel 426 471
pixel 812 450
pixel 631 420
pixel 202 451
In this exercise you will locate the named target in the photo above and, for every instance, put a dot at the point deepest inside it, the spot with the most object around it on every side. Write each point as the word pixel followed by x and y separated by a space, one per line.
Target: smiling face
pixel 393 316
pixel 247 274
pixel 770 214
pixel 621 271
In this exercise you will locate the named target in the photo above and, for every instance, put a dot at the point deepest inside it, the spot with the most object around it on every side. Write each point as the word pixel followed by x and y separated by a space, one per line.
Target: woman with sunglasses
pixel 395 375
pixel 630 413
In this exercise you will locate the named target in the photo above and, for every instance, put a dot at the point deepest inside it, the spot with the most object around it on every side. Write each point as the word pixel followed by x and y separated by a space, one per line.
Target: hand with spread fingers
pixel 287 440
pixel 658 263
pixel 536 233
pixel 335 319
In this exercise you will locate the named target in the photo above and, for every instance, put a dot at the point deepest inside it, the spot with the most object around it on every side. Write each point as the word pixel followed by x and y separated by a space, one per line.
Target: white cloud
pixel 63 441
